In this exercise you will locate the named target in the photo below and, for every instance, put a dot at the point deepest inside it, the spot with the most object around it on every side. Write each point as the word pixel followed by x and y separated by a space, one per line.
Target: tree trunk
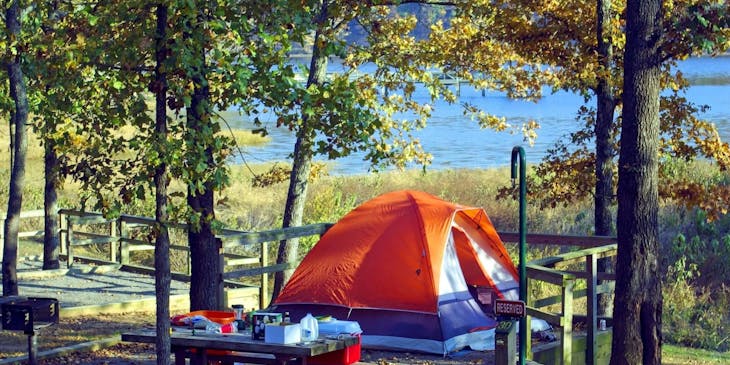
pixel 51 226
pixel 637 337
pixel 203 249
pixel 203 254
pixel 163 277
pixel 19 118
pixel 299 180
pixel 605 106
pixel 51 236
pixel 294 209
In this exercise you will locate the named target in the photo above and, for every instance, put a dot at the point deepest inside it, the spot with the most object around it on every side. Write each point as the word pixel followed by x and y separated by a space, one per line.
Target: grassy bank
pixel 676 355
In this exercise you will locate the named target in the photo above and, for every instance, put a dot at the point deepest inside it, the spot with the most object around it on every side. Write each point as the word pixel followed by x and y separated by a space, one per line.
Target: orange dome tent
pixel 402 265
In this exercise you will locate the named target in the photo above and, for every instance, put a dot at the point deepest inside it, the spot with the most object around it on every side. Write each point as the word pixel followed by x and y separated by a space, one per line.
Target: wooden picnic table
pixel 202 347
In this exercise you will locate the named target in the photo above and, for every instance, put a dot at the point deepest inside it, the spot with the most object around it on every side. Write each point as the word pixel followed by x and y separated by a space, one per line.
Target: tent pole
pixel 518 151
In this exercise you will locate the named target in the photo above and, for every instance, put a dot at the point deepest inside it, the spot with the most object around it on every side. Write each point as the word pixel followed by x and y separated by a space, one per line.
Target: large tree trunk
pixel 637 316
pixel 163 277
pixel 19 118
pixel 204 253
pixel 201 239
pixel 299 180
pixel 51 236
pixel 605 106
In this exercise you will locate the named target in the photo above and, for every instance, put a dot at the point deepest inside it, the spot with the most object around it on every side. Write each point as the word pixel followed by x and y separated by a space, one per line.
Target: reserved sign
pixel 509 308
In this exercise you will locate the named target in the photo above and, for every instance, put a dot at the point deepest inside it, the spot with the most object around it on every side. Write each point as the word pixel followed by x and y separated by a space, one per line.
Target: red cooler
pixel 346 356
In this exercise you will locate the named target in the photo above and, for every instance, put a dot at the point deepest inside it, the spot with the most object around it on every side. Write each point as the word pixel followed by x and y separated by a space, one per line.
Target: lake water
pixel 457 142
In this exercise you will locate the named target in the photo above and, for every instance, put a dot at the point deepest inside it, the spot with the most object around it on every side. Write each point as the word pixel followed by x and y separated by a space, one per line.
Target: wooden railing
pixel 553 270
pixel 32 214
pixel 118 241
pixel 243 239
pixel 23 215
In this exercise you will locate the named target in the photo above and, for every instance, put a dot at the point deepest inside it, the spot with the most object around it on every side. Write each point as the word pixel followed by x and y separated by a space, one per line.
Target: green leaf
pixel 704 22
pixel 140 192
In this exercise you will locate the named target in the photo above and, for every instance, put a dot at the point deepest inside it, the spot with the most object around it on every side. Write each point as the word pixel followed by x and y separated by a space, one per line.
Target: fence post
pixel 69 243
pixel 264 289
pixel 63 234
pixel 221 269
pixel 566 338
pixel 123 244
pixel 591 310
pixel 505 342
pixel 114 244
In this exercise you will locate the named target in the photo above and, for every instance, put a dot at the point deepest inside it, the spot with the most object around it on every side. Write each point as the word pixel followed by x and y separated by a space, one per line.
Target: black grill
pixel 29 314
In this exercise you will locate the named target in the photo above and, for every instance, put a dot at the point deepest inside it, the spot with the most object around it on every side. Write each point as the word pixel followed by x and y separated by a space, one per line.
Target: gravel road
pixel 84 284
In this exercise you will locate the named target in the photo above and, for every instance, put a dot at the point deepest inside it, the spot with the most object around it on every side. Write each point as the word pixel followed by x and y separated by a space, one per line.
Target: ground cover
pixel 77 330
pixel 73 330
pixel 675 355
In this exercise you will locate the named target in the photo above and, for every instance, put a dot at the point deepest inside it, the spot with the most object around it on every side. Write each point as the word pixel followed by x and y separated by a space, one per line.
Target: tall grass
pixel 246 137
pixel 695 315
pixel 33 189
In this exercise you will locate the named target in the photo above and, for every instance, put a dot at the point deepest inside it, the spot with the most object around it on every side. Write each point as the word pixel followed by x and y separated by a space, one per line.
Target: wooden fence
pixel 26 234
pixel 560 270
pixel 120 237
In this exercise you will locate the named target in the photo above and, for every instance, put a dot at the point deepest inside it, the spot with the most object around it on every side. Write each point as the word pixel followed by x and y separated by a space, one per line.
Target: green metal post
pixel 520 152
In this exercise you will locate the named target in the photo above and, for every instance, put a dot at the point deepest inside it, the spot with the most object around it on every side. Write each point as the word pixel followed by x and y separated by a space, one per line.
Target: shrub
pixel 694 316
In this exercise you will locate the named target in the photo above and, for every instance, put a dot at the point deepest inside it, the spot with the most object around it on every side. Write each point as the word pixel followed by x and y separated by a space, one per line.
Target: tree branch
pixel 108 67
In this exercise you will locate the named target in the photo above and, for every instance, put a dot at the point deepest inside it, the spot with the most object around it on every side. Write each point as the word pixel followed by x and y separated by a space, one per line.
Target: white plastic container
pixel 336 327
pixel 283 334
pixel 310 328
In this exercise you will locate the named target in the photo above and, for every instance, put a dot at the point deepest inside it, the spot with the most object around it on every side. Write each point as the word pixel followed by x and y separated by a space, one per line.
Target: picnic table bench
pixel 201 347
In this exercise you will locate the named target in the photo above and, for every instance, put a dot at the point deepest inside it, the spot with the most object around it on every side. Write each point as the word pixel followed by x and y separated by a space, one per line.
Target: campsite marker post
pixel 518 151
pixel 507 311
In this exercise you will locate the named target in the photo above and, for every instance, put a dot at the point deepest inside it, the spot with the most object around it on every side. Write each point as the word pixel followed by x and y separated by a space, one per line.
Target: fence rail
pixel 548 270
pixel 120 238
pixel 229 240
pixel 25 234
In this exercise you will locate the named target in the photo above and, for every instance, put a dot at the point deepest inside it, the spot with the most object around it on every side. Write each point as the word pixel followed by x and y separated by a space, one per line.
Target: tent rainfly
pixel 402 266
